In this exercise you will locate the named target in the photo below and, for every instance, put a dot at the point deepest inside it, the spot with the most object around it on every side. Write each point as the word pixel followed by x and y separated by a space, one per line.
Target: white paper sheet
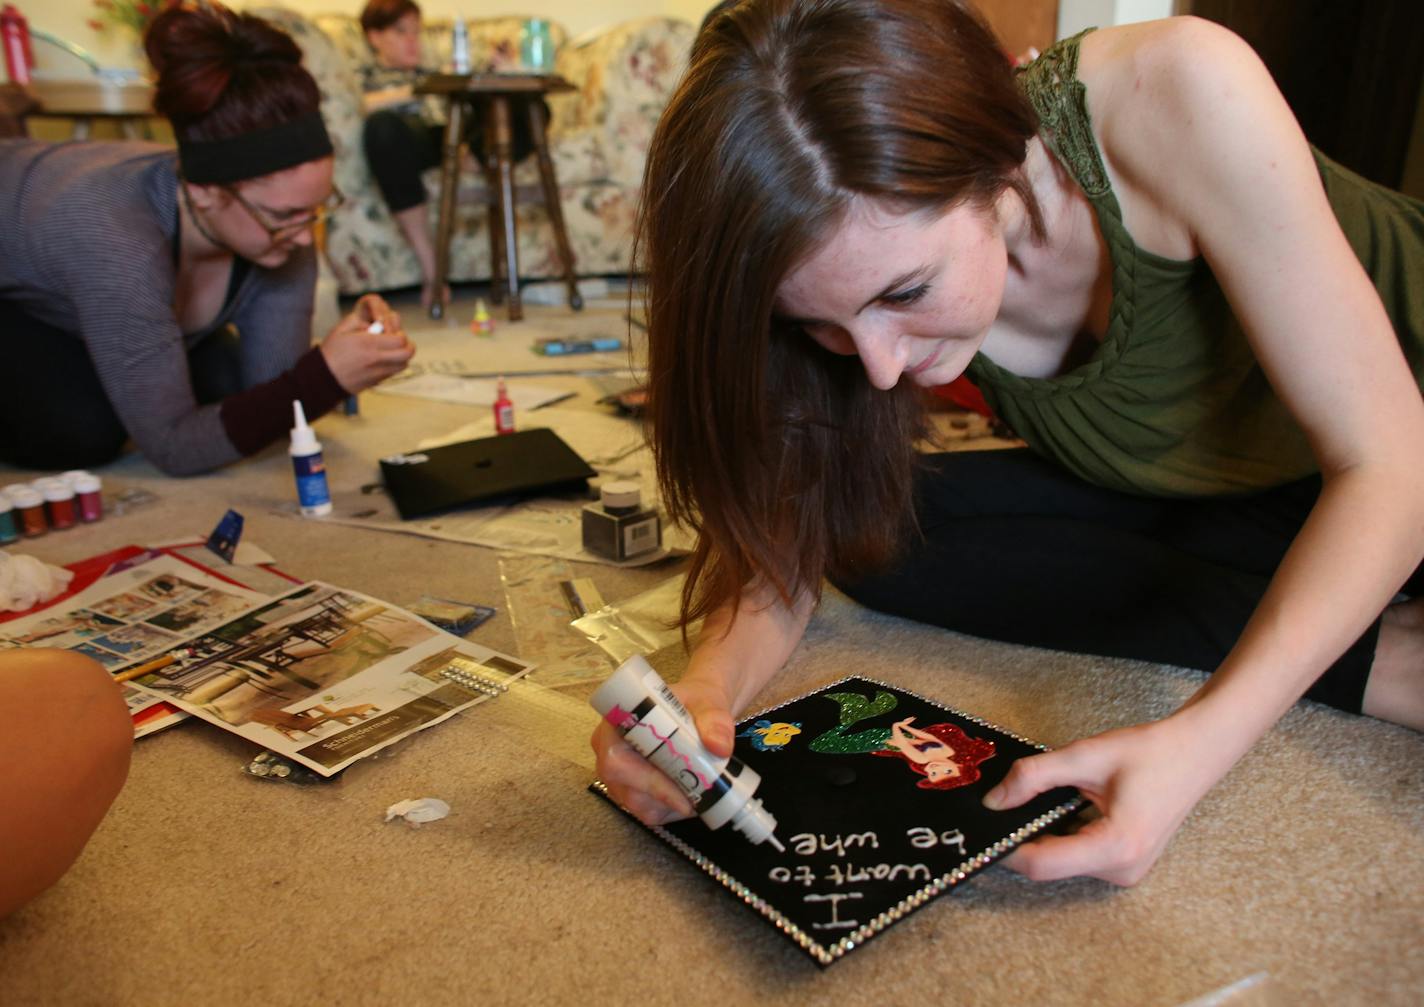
pixel 473 391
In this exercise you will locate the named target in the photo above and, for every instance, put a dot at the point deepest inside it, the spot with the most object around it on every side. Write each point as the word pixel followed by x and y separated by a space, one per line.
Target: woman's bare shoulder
pixel 1136 58
pixel 1156 93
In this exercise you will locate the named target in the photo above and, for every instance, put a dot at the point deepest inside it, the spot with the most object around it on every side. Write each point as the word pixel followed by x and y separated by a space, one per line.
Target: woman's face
pixel 265 219
pixel 398 45
pixel 909 293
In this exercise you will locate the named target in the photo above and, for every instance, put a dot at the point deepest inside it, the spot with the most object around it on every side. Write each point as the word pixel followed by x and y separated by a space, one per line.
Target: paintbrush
pixel 138 671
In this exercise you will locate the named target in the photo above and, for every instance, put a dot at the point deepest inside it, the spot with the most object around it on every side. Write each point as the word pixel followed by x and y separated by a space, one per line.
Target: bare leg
pixel 1395 690
pixel 65 749
pixel 417 234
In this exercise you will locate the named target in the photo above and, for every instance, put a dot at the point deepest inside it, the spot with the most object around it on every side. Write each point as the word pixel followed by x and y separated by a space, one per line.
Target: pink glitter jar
pixel 91 501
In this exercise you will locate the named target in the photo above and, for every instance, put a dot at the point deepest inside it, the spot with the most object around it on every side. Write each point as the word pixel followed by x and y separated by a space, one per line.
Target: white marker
pixel 376 328
pixel 653 720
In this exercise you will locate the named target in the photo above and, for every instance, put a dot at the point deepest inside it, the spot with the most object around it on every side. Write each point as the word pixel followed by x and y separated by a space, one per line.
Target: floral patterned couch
pixel 598 137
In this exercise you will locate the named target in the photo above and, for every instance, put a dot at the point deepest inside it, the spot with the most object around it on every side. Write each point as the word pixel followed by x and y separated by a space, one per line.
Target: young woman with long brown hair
pixel 125 268
pixel 1203 329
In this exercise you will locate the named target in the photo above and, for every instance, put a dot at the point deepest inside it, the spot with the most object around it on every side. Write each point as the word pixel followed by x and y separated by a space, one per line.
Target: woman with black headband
pixel 169 299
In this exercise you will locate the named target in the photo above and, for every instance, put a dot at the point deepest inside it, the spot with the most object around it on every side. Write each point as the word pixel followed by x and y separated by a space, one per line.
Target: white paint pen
pixel 653 720
pixel 312 492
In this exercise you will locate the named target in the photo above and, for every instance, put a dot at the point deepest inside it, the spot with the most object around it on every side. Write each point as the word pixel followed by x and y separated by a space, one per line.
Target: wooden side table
pixel 130 104
pixel 494 91
pixel 16 102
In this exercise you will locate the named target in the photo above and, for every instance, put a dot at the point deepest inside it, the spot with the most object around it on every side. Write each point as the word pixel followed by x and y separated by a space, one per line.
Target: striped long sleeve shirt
pixel 87 245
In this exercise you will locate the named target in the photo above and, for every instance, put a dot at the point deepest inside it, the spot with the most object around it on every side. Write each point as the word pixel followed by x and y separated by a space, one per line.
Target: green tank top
pixel 1173 402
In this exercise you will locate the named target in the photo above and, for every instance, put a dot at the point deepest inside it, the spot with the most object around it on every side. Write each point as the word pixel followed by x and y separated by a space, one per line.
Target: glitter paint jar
pixel 29 508
pixel 8 531
pixel 59 504
pixel 91 500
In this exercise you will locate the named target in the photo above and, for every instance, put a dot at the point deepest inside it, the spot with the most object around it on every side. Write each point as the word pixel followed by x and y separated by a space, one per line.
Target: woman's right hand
pixel 636 783
pixel 733 660
pixel 359 358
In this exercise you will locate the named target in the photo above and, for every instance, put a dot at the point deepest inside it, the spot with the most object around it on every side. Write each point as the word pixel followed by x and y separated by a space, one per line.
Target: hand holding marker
pixel 638 703
pixel 359 357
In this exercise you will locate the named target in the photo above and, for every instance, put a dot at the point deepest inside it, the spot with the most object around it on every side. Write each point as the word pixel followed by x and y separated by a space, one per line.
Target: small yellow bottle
pixel 483 325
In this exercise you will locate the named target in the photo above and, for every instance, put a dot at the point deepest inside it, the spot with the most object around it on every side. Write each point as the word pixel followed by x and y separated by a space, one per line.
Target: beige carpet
pixel 205 886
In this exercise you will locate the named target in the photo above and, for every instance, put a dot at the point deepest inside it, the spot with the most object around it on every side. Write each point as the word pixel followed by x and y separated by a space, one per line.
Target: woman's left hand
pixel 1144 780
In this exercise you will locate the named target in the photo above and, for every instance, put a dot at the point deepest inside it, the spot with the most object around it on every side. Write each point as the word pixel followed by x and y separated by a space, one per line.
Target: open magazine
pixel 319 675
pixel 324 676
pixel 135 615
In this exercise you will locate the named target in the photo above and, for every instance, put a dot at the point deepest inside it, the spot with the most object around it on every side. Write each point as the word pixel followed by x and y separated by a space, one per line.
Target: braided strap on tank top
pixel 1051 83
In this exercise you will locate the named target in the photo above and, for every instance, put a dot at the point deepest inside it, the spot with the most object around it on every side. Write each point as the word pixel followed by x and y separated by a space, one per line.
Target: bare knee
pixel 66 756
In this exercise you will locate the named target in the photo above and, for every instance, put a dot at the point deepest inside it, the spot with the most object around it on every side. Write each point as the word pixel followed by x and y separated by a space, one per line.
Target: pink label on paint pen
pixel 627 722
pixel 620 717
pixel 666 741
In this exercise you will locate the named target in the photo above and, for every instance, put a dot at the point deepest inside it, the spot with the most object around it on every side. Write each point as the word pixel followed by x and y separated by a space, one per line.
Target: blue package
pixel 224 538
pixel 562 347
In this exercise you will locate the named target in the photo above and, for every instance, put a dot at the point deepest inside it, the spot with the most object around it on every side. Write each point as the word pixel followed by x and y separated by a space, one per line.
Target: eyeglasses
pixel 289 229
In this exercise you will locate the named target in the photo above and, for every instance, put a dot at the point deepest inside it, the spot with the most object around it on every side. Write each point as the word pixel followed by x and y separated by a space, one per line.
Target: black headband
pixel 250 155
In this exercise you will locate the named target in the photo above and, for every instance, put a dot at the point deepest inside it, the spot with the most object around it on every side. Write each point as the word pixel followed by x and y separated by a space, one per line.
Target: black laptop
pixel 488 470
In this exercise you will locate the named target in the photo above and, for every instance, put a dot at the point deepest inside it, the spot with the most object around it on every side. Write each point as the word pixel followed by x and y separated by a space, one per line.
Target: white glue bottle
pixel 312 492
pixel 653 720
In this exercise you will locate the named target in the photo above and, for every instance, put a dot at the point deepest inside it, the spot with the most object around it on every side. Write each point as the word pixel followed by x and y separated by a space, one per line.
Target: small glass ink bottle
pixel 618 527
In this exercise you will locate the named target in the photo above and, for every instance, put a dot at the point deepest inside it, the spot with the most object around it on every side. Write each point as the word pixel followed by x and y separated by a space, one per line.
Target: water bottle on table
pixel 536 46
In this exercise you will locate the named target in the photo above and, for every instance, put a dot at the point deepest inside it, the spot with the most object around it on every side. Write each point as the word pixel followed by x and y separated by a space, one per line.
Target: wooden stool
pixel 495 92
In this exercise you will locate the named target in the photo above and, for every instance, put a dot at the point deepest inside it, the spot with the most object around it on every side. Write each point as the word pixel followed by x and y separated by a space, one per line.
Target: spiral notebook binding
pixel 476 681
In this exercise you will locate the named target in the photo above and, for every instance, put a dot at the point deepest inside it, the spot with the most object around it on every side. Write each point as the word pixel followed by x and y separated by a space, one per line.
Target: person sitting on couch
pixel 403 134
pixel 125 268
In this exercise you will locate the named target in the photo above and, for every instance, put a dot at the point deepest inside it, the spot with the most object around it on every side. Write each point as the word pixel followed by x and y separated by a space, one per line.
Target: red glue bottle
pixel 503 411
pixel 15 35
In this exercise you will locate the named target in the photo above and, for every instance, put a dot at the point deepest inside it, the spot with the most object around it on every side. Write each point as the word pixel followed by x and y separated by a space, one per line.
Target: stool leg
pixel 537 116
pixel 498 280
pixel 504 169
pixel 449 184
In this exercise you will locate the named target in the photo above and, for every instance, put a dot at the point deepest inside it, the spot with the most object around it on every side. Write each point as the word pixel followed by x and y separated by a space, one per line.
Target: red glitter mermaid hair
pixel 968 753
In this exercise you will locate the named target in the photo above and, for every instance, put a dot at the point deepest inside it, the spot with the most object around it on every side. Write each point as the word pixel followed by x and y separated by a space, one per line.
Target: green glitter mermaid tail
pixel 855 708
